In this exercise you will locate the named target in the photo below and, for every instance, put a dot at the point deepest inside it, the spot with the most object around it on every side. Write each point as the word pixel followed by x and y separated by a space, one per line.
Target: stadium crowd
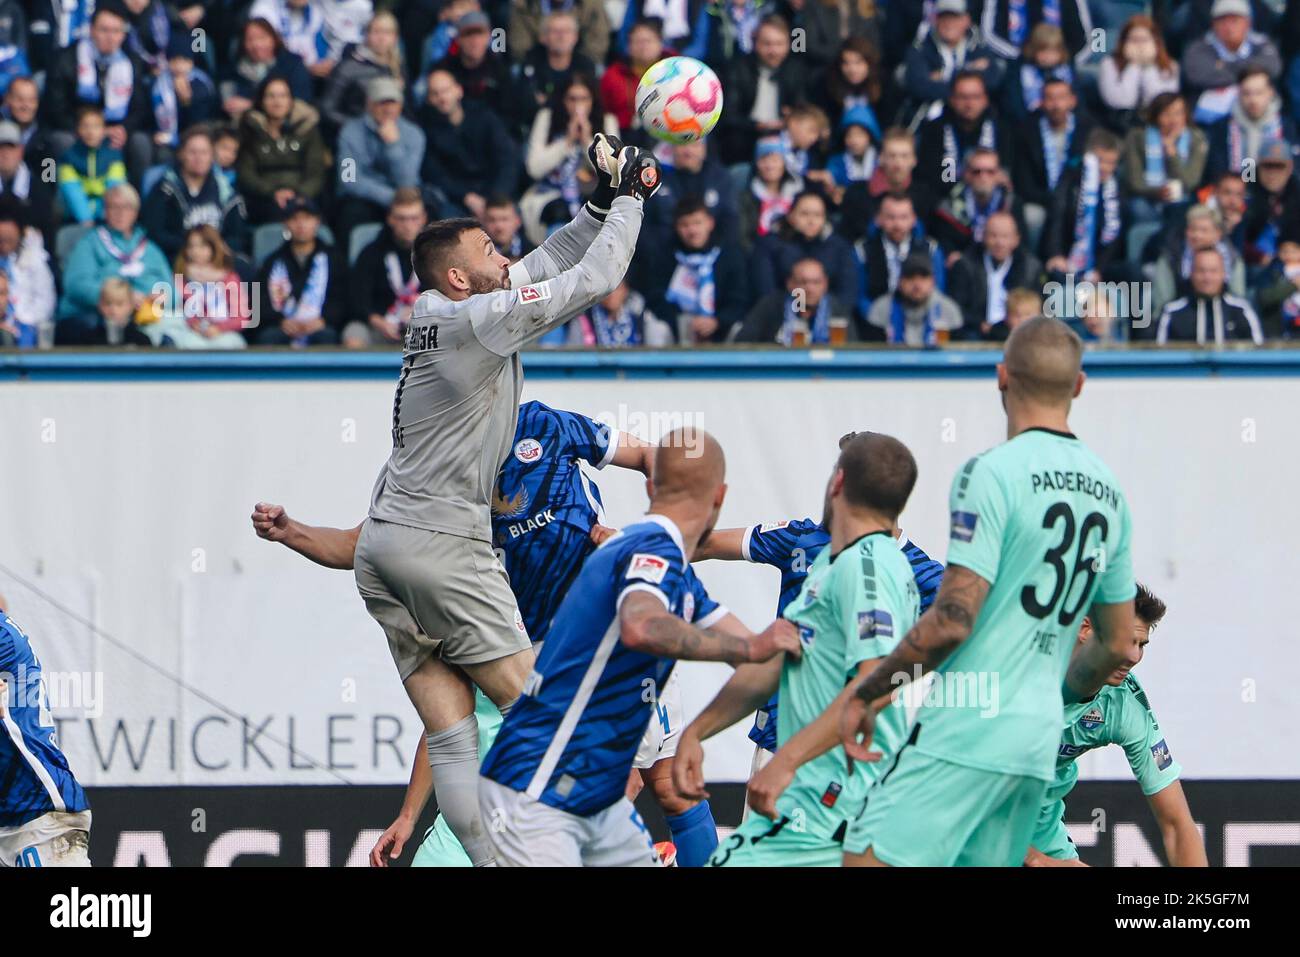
pixel 905 171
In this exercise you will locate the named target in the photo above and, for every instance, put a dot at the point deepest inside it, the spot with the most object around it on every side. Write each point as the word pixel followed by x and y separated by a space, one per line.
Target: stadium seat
pixel 151 177
pixel 363 234
pixel 67 237
pixel 268 237
pixel 740 174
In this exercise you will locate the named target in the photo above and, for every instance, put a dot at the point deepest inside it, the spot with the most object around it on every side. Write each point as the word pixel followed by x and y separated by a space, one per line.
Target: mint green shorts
pixel 762 842
pixel 440 847
pixel 1050 835
pixel 929 812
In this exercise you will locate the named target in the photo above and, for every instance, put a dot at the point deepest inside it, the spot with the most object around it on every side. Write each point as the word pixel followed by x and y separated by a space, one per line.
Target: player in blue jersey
pixel 547 517
pixel 44 814
pixel 552 786
pixel 791 547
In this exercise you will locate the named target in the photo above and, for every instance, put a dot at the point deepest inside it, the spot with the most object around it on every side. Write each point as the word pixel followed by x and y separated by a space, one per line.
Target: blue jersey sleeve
pixel 593 442
pixel 927 571
pixel 705 612
pixel 782 545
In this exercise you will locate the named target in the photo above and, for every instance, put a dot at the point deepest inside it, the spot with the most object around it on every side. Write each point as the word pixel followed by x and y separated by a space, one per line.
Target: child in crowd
pixel 88 169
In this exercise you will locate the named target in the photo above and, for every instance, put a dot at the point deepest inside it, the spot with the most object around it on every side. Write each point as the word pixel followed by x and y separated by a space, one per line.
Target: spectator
pixel 1085 226
pixel 1273 204
pixel 951 48
pixel 151 25
pixel 728 30
pixel 552 63
pixel 482 73
pixel 191 193
pixel 771 192
pixel 695 282
pixel 619 321
pixel 1227 196
pixel 1173 272
pixel 681 24
pixel 1051 141
pixel 1022 305
pixel 18 181
pixel 118 321
pixel 693 172
pixel 302 302
pixel 100 70
pixel 1255 118
pixel 855 82
pixel 22 106
pixel 1043 58
pixel 759 87
pixel 855 160
pixel 379 55
pixel 981 281
pixel 893 174
pixel 13 43
pixel 805 233
pixel 502 223
pixel 1163 164
pixel 1209 315
pixel 29 299
pixel 915 314
pixel 384 287
pixel 303 25
pixel 261 54
pixel 1007 24
pixel 378 154
pixel 209 308
pixel 1213 64
pixel 1279 292
pixel 436 43
pixel 183 95
pixel 225 150
pixel 1137 72
pixel 802 313
pixel 282 154
pixel 805 134
pixel 120 249
pixel 470 154
pixel 827 24
pixel 881 253
pixel 959 222
pixel 557 156
pixel 88 170
pixel 527 27
pixel 645 47
pixel 967 121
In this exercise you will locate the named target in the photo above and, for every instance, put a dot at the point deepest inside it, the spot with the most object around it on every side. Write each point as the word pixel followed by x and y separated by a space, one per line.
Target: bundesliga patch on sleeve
pixel 875 624
pixel 647 567
pixel 771 526
pixel 963 526
pixel 1160 751
pixel 539 292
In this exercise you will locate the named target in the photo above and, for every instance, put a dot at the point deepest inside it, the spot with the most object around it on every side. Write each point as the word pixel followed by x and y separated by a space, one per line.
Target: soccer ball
pixel 679 100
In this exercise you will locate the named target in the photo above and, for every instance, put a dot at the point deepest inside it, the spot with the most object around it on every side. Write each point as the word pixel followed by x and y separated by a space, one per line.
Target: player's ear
pixel 1078 384
pixel 456 279
pixel 721 494
pixel 649 487
pixel 1002 377
pixel 1085 629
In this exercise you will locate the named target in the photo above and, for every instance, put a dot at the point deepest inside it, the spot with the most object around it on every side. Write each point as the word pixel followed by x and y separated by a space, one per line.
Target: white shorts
pixel 761 757
pixel 527 833
pixel 666 723
pixel 57 839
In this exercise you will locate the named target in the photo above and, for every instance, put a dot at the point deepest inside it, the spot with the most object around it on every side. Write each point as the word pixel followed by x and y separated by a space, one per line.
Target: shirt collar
pixel 669 526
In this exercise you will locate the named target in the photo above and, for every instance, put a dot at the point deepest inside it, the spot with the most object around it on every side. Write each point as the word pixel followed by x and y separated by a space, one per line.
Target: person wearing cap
pixel 303 302
pixel 23 183
pixel 192 193
pixel 805 233
pixel 379 54
pixel 771 193
pixel 1006 25
pixel 281 152
pixel 378 154
pixel 1256 117
pixel 805 301
pixel 759 86
pixel 470 154
pixel 1213 64
pixel 1209 314
pixel 855 162
pixel 100 69
pixel 528 27
pixel 980 282
pixel 484 74
pixel 950 47
pixel 915 314
pixel 1272 203
pixel 967 120
pixel 183 95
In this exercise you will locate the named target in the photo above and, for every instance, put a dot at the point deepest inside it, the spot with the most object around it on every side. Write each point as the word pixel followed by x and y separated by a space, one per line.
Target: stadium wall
pixel 217 659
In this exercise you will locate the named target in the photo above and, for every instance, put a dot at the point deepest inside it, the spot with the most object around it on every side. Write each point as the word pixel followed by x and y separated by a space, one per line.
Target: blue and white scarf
pixel 980 216
pixel 1094 197
pixel 796 160
pixel 74 20
pixel 1240 147
pixel 119 81
pixel 956 161
pixel 310 304
pixel 1018 19
pixel 898 323
pixel 819 329
pixel 615 330
pixel 160 31
pixel 1225 250
pixel 166 108
pixel 744 19
pixel 1054 160
pixel 303 30
pixel 894 256
pixel 565 178
pixel 1154 155
pixel 692 288
pixel 27 335
pixel 1227 56
pixel 1034 78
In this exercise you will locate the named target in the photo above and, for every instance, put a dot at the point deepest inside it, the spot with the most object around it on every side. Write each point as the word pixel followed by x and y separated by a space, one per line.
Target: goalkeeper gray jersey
pixel 458 393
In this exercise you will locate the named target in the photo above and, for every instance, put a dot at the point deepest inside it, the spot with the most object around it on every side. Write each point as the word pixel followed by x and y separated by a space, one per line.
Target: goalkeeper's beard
pixel 479 284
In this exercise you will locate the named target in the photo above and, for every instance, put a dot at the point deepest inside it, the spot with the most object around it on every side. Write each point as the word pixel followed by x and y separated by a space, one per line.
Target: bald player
pixel 552 786
pixel 1039 538
pixel 424 563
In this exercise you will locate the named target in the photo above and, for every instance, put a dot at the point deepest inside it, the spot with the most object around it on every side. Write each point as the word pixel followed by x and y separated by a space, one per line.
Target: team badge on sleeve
pixel 1093 719
pixel 963 526
pixel 538 292
pixel 875 624
pixel 647 567
pixel 1160 751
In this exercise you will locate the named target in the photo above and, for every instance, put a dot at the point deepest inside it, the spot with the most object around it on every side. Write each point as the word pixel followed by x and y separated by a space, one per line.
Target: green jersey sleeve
pixel 978 506
pixel 1139 734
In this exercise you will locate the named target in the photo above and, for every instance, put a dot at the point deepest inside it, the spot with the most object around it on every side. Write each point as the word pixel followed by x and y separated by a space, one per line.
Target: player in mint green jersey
pixel 1120 714
pixel 1039 538
pixel 859 597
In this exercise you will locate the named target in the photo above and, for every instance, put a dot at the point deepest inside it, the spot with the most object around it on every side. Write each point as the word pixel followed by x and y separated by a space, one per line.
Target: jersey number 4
pixel 1063 583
